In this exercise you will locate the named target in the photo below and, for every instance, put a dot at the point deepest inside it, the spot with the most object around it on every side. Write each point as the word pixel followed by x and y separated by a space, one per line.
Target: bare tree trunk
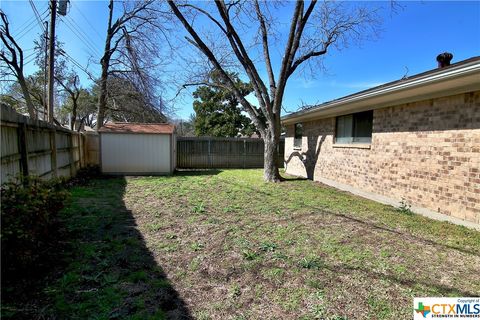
pixel 26 95
pixel 270 157
pixel 102 99
pixel 73 117
pixel 105 62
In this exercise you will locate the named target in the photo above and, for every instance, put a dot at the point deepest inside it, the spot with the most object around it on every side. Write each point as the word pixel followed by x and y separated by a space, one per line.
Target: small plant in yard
pixel 274 274
pixel 154 226
pixel 213 220
pixel 199 208
pixel 379 307
pixel 249 254
pixel 405 208
pixel 230 209
pixel 197 246
pixel 268 246
pixel 171 235
pixel 310 262
pixel 195 263
pixel 235 290
pixel 85 175
pixel 280 256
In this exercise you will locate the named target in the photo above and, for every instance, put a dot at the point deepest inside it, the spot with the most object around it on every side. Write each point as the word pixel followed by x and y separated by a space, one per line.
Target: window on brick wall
pixel 354 128
pixel 297 140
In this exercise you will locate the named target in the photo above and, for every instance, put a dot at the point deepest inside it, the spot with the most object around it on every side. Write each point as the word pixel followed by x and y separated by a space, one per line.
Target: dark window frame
pixel 297 135
pixel 359 121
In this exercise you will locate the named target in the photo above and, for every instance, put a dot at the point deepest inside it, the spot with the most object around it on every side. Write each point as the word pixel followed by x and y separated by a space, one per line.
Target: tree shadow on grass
pixel 401 280
pixel 373 225
pixel 107 271
pixel 407 279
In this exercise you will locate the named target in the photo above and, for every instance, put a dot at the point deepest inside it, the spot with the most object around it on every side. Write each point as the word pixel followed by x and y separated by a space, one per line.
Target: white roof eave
pixel 464 78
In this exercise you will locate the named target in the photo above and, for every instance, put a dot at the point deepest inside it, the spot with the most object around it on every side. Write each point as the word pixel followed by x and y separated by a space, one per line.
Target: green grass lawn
pixel 226 245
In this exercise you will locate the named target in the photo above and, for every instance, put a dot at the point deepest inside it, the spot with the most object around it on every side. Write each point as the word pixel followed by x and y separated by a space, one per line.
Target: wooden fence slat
pixel 53 155
pixel 212 153
pixel 35 147
pixel 23 148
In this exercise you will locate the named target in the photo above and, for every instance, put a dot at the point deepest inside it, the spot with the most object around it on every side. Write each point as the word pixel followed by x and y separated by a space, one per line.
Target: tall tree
pixel 71 86
pixel 314 29
pixel 62 70
pixel 131 51
pixel 217 111
pixel 11 55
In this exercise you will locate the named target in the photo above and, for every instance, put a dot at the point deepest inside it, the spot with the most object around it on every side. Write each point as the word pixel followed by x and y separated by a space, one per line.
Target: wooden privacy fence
pixel 217 153
pixel 37 148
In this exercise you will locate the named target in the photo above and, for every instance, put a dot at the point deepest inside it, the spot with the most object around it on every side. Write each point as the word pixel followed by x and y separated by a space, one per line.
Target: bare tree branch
pixel 242 55
pixel 313 29
pixel 204 48
pixel 266 50
pixel 130 52
pixel 15 62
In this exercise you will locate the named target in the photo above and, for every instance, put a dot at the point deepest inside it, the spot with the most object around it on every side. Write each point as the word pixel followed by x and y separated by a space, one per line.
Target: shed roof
pixel 130 127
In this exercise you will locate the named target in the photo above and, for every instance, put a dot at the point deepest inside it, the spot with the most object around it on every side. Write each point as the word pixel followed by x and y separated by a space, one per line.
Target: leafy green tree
pixel 217 111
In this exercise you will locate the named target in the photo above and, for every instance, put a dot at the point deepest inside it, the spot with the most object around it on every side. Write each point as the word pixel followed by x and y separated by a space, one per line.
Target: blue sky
pixel 409 43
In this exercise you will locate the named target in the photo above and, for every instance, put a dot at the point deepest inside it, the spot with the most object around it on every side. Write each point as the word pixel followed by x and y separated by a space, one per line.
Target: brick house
pixel 415 140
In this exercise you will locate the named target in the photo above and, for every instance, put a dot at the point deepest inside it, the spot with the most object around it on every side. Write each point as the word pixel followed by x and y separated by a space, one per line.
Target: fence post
pixel 22 148
pixel 81 150
pixel 209 160
pixel 80 157
pixel 53 150
pixel 244 152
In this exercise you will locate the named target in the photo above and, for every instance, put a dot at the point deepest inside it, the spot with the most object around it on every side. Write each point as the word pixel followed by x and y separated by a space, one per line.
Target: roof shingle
pixel 124 127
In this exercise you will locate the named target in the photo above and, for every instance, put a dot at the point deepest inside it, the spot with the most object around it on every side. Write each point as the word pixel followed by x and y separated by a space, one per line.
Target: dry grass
pixel 235 247
pixel 226 245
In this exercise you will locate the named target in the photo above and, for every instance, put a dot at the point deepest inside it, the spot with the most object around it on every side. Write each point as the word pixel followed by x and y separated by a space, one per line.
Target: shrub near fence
pixel 30 225
pixel 217 153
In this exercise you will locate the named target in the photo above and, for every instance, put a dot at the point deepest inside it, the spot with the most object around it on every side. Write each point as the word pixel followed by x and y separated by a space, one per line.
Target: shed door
pixel 135 153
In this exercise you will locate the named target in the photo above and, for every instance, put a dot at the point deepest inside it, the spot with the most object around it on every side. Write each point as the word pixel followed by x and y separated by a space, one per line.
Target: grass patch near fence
pixel 104 270
pixel 226 245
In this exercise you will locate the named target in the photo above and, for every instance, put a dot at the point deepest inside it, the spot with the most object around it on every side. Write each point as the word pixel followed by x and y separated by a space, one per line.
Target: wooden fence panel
pixel 92 148
pixel 38 149
pixel 34 147
pixel 254 154
pixel 211 153
pixel 10 152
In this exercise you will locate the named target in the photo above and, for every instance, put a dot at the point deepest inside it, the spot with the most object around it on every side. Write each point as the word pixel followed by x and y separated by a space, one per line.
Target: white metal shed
pixel 137 148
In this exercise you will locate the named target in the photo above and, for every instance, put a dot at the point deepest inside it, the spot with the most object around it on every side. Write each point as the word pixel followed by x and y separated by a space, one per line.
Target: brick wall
pixel 426 152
